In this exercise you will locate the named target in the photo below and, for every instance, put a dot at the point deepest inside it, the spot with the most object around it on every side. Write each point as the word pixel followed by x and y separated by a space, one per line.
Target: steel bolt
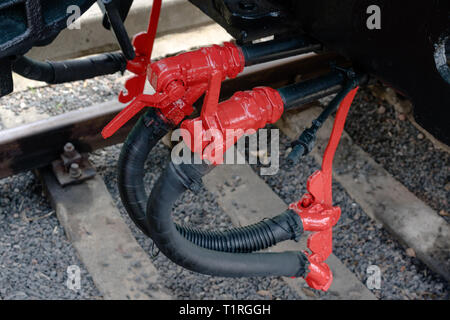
pixel 69 150
pixel 75 171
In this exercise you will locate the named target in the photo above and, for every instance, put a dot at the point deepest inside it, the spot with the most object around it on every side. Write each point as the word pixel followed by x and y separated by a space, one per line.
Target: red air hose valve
pixel 196 67
pixel 179 81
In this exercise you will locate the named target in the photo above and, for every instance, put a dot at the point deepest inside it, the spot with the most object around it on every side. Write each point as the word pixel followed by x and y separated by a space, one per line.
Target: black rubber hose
pixel 34 70
pixel 147 132
pixel 175 180
pixel 54 72
pixel 144 136
pixel 259 236
pixel 123 6
pixel 304 92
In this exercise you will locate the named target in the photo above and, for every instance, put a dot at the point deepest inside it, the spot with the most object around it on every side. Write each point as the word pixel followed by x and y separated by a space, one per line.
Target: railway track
pixel 121 269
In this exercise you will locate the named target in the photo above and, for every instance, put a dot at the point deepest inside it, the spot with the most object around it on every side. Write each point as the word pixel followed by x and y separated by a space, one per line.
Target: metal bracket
pixel 73 167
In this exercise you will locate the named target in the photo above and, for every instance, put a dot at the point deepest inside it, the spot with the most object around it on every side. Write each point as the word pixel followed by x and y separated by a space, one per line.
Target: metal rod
pixel 255 53
pixel 119 29
pixel 304 92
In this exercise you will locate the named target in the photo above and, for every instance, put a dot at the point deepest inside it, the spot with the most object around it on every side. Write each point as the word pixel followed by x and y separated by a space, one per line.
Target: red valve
pixel 196 67
pixel 221 125
pixel 316 210
pixel 143 45
pixel 178 81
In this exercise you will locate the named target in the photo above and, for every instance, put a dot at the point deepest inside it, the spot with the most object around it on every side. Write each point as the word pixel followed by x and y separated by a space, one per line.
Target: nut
pixel 69 150
pixel 75 171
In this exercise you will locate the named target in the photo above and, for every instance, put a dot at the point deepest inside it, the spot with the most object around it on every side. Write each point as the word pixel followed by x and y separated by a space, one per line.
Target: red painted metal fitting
pixel 319 276
pixel 316 216
pixel 320 218
pixel 316 210
pixel 179 81
pixel 195 67
pixel 219 127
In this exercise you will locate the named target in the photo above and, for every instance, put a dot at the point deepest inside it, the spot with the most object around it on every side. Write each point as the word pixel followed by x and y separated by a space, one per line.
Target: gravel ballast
pixel 401 149
pixel 34 251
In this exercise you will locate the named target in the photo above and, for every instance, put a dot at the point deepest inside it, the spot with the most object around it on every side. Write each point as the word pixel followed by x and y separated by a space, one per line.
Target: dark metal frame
pixel 28 23
pixel 401 53
pixel 41 21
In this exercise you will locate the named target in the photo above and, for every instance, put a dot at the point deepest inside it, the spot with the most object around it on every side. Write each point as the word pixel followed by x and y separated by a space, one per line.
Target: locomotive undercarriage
pixel 401 44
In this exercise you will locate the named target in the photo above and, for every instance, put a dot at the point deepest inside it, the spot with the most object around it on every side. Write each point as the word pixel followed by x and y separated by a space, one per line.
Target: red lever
pixel 316 208
pixel 143 45
pixel 130 111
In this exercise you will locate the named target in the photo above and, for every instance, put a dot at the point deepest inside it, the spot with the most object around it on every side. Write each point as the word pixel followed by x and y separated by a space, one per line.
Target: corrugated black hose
pixel 55 72
pixel 144 136
pixel 175 180
pixel 147 132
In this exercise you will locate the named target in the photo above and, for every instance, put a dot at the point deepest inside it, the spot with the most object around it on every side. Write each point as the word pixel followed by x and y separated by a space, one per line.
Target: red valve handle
pixel 142 101
pixel 143 44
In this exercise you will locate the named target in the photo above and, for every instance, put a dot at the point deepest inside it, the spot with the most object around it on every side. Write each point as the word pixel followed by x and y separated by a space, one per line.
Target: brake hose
pixel 54 72
pixel 144 136
pixel 175 180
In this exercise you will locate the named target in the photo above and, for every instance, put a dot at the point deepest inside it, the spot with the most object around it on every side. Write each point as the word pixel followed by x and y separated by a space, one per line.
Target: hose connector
pixel 220 126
